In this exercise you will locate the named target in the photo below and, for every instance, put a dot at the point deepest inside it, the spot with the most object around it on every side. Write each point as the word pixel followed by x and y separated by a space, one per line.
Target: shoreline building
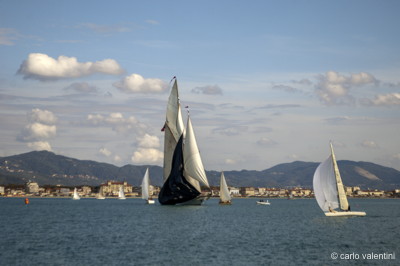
pixel 112 187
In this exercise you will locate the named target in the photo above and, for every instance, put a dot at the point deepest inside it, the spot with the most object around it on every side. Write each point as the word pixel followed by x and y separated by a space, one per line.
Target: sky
pixel 266 82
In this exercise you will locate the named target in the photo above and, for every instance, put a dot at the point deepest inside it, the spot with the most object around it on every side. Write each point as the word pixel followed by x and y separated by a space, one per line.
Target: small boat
pixel 262 202
pixel 121 194
pixel 329 190
pixel 224 195
pixel 100 195
pixel 146 188
pixel 75 195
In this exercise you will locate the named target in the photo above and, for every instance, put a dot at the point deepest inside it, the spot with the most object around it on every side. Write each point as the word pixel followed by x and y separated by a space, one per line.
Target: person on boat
pixel 330 210
pixel 348 209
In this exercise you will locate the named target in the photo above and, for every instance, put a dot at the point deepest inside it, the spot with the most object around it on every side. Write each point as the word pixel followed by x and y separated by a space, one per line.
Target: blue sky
pixel 267 82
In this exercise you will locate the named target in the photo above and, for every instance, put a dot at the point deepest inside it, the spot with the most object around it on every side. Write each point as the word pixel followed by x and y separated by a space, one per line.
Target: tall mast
pixel 344 204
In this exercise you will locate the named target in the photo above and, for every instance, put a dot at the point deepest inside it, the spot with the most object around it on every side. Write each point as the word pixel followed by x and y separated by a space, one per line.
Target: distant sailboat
pixel 75 195
pixel 146 188
pixel 224 195
pixel 329 191
pixel 100 195
pixel 183 167
pixel 121 194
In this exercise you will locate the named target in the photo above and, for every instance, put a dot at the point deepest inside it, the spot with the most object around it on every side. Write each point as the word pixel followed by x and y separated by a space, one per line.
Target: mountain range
pixel 48 168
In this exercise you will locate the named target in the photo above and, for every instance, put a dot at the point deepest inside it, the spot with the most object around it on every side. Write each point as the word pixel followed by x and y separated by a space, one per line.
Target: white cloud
pixel 264 141
pixel 391 99
pixel 36 131
pixel 148 141
pixel 147 156
pixel 43 67
pixel 42 116
pixel 135 83
pixel 40 145
pixel 334 89
pixel 105 152
pixel 117 122
pixel 369 144
pixel 209 90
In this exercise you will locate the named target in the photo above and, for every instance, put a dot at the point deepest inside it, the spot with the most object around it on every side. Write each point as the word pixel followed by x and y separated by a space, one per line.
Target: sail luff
pixel 344 204
pixel 193 164
pixel 224 191
pixel 145 185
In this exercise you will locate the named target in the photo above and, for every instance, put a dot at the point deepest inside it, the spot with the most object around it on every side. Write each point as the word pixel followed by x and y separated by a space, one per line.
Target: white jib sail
pixel 121 194
pixel 76 195
pixel 173 128
pixel 224 194
pixel 145 185
pixel 324 184
pixel 344 204
pixel 191 156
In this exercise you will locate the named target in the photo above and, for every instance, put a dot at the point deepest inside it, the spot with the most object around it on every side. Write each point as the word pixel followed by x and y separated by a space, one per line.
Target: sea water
pixel 129 232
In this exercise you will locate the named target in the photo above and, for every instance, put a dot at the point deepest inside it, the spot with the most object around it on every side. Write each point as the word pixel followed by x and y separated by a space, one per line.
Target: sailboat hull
pixel 344 214
pixel 196 201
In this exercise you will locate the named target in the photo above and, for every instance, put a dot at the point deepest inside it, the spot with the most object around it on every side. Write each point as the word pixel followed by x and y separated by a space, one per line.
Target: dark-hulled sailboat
pixel 183 167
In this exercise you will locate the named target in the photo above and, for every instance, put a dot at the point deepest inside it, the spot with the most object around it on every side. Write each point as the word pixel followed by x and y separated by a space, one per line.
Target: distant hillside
pixel 48 168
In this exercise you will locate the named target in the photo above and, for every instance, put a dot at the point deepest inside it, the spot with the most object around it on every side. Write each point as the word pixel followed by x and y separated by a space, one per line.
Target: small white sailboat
pixel 100 195
pixel 75 195
pixel 224 195
pixel 146 188
pixel 121 194
pixel 262 202
pixel 329 191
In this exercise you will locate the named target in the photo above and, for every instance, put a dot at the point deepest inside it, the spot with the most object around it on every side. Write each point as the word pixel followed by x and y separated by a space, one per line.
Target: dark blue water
pixel 129 232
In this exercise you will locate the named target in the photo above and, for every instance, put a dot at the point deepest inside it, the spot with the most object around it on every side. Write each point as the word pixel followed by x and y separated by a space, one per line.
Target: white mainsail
pixel 173 128
pixel 76 196
pixel 100 195
pixel 121 194
pixel 193 164
pixel 224 194
pixel 344 204
pixel 145 185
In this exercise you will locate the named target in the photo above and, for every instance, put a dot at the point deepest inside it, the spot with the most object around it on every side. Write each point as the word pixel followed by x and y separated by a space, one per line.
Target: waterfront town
pixel 111 189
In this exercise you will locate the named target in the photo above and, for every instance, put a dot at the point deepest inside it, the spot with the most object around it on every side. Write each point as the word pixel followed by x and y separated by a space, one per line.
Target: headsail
pixel 344 204
pixel 224 194
pixel 145 185
pixel 324 184
pixel 173 128
pixel 193 163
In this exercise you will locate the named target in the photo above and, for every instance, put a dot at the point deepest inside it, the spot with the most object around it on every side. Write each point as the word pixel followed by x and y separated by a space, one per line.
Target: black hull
pixel 176 189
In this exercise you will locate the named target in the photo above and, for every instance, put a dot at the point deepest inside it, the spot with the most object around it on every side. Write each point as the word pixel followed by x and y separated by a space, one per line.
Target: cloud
pixel 135 83
pixel 105 152
pixel 7 36
pixel 152 22
pixel 264 141
pixel 117 122
pixel 147 156
pixel 285 88
pixel 40 145
pixel 105 28
pixel 82 87
pixel 334 89
pixel 391 99
pixel 148 141
pixel 43 67
pixel 209 90
pixel 41 127
pixel 230 131
pixel 369 144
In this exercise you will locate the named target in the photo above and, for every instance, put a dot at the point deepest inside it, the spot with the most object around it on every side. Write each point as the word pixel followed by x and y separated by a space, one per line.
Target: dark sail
pixel 176 188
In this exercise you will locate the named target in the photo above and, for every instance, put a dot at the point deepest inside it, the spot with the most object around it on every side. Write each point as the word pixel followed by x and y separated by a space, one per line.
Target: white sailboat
pixel 121 194
pixel 224 195
pixel 183 167
pixel 329 191
pixel 75 196
pixel 146 188
pixel 100 195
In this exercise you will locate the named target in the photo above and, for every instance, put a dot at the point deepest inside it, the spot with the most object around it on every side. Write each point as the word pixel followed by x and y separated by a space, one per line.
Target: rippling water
pixel 129 232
